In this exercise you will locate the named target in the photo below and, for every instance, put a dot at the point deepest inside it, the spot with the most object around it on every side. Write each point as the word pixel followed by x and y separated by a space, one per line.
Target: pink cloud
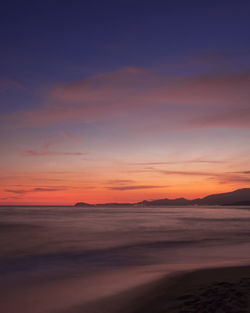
pixel 72 136
pixel 143 97
pixel 221 177
pixel 8 84
pixel 236 117
pixel 45 151
pixel 36 189
pixel 119 181
pixel 37 153
pixel 186 173
pixel 179 162
pixel 134 187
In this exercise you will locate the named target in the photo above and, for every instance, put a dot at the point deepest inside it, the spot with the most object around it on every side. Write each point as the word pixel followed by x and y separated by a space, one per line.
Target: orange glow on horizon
pixel 103 195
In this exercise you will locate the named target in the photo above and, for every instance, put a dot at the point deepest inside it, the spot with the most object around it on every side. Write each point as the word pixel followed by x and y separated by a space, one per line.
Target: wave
pixel 125 255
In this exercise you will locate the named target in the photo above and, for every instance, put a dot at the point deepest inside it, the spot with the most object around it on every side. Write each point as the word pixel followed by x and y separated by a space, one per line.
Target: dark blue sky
pixel 43 41
pixel 49 42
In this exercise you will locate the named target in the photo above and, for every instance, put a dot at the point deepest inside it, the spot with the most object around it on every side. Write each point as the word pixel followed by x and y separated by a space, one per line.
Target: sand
pixel 222 290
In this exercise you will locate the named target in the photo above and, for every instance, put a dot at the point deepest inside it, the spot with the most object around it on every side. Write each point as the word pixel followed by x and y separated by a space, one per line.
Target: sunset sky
pixel 121 101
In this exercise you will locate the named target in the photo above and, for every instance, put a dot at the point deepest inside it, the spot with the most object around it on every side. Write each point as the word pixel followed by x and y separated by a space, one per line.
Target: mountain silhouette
pixel 236 197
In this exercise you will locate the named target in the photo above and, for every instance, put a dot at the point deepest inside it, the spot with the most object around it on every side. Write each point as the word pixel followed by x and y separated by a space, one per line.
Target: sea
pixel 53 259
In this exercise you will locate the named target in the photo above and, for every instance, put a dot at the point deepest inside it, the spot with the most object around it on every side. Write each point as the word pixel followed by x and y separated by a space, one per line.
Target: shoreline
pixel 209 290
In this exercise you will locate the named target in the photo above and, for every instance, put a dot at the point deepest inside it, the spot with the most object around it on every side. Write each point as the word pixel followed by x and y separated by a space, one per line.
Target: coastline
pixel 210 290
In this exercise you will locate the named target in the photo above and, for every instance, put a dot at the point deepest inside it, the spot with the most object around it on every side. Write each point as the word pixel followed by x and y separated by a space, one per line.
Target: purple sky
pixel 123 101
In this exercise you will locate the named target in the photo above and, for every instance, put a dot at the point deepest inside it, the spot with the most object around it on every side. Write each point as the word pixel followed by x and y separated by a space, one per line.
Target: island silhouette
pixel 236 197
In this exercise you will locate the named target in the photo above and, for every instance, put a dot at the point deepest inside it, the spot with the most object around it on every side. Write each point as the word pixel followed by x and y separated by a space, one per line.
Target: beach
pixel 209 290
pixel 222 290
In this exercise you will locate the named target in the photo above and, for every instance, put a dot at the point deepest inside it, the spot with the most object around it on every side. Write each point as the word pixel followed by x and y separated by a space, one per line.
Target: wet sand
pixel 222 290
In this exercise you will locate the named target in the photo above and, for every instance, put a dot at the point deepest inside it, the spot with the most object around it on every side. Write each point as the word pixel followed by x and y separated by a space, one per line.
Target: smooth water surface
pixel 52 258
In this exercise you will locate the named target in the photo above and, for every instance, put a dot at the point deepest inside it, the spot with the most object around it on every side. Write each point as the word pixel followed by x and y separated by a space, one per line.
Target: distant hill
pixel 166 202
pixel 83 204
pixel 236 197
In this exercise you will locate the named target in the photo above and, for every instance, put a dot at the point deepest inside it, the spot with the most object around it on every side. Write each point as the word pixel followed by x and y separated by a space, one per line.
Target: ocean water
pixel 55 258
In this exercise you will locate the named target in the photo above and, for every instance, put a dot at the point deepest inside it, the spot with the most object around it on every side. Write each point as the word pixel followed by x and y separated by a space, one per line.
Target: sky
pixel 121 101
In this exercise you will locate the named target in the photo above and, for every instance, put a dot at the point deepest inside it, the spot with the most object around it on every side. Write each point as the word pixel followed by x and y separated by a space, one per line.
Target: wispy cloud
pixel 134 187
pixel 201 101
pixel 219 56
pixel 48 189
pixel 242 172
pixel 36 153
pixel 185 173
pixel 179 162
pixel 240 177
pixel 127 184
pixel 36 189
pixel 46 151
pixel 8 84
pixel 220 177
pixel 119 181
pixel 72 136
pixel 229 177
pixel 10 198
pixel 17 191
